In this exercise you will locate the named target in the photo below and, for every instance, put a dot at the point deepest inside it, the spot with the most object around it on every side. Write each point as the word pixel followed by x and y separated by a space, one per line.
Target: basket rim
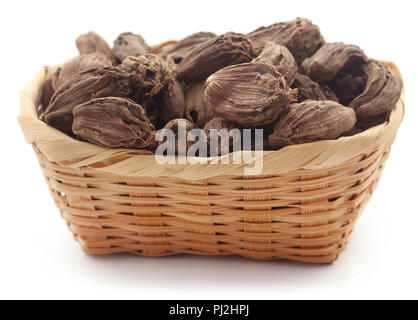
pixel 64 150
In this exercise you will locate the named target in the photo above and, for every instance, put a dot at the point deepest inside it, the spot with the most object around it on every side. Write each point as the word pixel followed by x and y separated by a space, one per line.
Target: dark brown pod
pixel 382 91
pixel 213 130
pixel 79 64
pixel 312 121
pixel 355 130
pixel 215 54
pixel 311 90
pixel 82 87
pixel 152 74
pixel 332 58
pixel 178 51
pixel 281 58
pixel 172 104
pixel 48 88
pixel 370 122
pixel 129 44
pixel 196 110
pixel 151 105
pixel 348 86
pixel 93 42
pixel 177 125
pixel 114 123
pixel 300 36
pixel 250 94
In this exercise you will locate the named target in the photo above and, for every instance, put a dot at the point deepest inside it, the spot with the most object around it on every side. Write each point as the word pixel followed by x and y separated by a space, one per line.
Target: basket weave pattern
pixel 303 207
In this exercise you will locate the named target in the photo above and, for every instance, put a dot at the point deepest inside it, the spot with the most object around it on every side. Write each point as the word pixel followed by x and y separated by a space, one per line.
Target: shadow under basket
pixel 302 207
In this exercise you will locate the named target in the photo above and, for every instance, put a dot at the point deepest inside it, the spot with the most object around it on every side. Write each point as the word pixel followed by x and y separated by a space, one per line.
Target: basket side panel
pixel 301 215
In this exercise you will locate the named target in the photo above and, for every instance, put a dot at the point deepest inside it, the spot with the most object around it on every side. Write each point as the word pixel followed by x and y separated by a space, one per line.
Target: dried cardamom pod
pixel 129 44
pixel 79 64
pixel 348 86
pixel 177 125
pixel 93 42
pixel 178 51
pixel 382 91
pixel 300 36
pixel 172 103
pixel 332 58
pixel 82 87
pixel 312 121
pixel 219 123
pixel 281 58
pixel 48 89
pixel 212 131
pixel 196 110
pixel 152 109
pixel 152 74
pixel 249 94
pixel 311 90
pixel 356 130
pixel 369 122
pixel 215 54
pixel 114 123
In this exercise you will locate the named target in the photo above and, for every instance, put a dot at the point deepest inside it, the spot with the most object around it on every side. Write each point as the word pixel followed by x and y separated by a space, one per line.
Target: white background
pixel 38 257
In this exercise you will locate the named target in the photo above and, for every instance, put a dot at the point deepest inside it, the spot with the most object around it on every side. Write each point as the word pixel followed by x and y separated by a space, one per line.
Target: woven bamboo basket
pixel 302 207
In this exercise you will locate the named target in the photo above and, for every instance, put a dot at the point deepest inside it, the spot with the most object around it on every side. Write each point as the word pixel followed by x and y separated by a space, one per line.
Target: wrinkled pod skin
pixel 196 110
pixel 330 59
pixel 300 36
pixel 93 42
pixel 172 103
pixel 114 123
pixel 382 92
pixel 48 89
pixel 129 44
pixel 312 121
pixel 182 48
pixel 79 64
pixel 281 58
pixel 82 87
pixel 311 90
pixel 217 124
pixel 152 74
pixel 340 66
pixel 215 54
pixel 175 126
pixel 249 94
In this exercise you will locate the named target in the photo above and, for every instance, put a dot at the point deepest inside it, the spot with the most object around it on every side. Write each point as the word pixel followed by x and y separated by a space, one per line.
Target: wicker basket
pixel 303 207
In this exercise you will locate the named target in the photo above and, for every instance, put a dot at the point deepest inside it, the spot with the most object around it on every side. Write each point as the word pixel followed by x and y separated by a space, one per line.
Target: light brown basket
pixel 303 207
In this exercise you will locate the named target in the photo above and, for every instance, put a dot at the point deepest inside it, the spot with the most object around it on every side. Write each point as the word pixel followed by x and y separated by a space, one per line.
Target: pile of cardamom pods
pixel 284 79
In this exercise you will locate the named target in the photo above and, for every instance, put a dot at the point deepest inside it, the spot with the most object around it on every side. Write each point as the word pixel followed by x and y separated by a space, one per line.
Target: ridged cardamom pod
pixel 382 92
pixel 79 64
pixel 312 121
pixel 250 94
pixel 93 42
pixel 311 90
pixel 215 54
pixel 180 145
pixel 281 58
pixel 171 100
pixel 82 87
pixel 212 129
pixel 178 51
pixel 332 58
pixel 129 44
pixel 300 36
pixel 196 110
pixel 48 88
pixel 152 74
pixel 114 123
